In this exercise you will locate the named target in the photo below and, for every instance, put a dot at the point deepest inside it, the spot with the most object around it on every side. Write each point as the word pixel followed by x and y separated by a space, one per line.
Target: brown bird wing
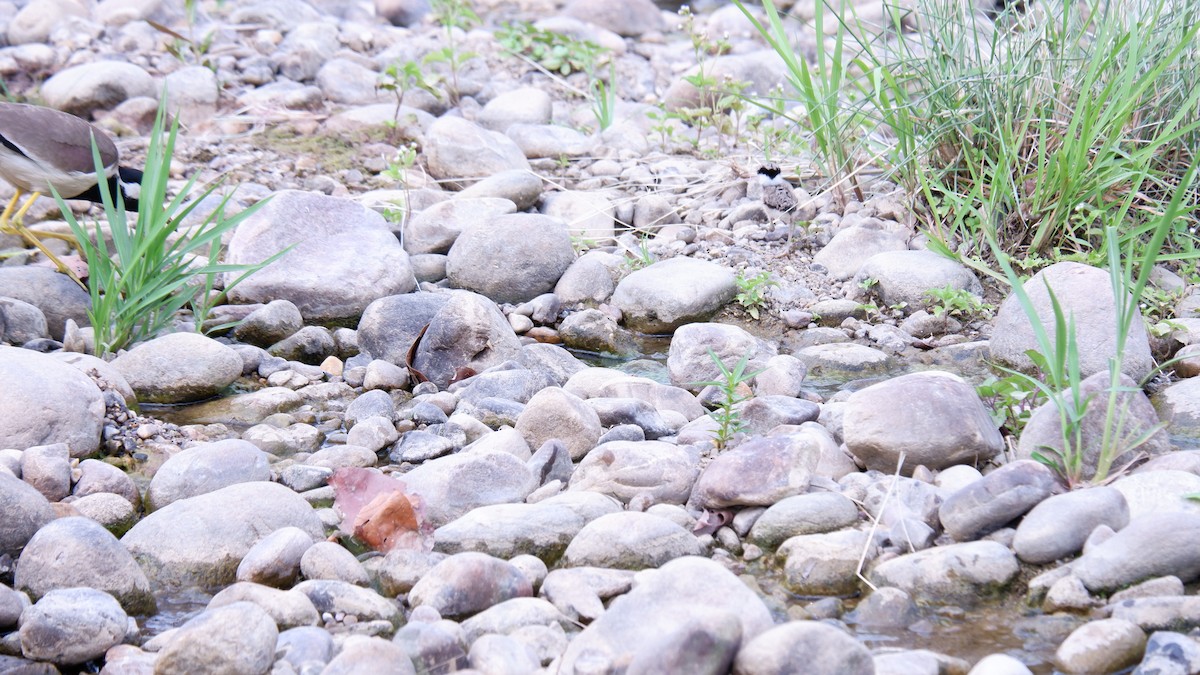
pixel 54 138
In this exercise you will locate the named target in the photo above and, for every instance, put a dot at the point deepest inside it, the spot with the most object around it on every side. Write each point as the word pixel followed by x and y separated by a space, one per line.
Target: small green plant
pixel 604 98
pixel 636 259
pixel 663 127
pixel 154 268
pixel 957 302
pixel 1012 400
pixel 555 52
pixel 402 78
pixel 752 291
pixel 452 15
pixel 189 48
pixel 398 170
pixel 729 420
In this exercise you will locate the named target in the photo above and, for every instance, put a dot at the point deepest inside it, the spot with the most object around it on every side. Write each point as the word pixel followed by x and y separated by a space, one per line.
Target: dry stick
pixel 862 560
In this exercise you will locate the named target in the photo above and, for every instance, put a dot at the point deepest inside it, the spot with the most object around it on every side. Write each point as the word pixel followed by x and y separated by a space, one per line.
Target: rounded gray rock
pixel 934 418
pixel 45 401
pixel 468 583
pixel 463 152
pixel 75 552
pixel 537 250
pixel 206 467
pixel 661 471
pixel 997 499
pixel 1150 546
pixel 179 367
pixel 1058 527
pixel 630 540
pixel 809 647
pixel 72 625
pixel 201 540
pixel 555 414
pixel 235 638
pixel 760 472
pixel 668 294
pixel 810 513
pixel 954 574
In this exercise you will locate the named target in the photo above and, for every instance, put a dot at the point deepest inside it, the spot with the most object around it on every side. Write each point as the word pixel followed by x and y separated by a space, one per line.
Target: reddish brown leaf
pixel 376 509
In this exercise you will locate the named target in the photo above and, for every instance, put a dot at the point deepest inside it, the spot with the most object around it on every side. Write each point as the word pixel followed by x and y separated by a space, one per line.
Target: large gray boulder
pixel 933 418
pixel 179 367
pixel 45 401
pixel 511 258
pixel 467 335
pixel 671 293
pixel 344 256
pixel 1085 294
pixel 201 540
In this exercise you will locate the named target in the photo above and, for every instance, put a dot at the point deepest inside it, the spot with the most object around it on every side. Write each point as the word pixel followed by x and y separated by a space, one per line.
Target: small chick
pixel 782 201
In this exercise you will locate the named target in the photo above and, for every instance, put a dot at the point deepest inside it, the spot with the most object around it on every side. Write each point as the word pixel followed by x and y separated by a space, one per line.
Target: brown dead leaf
pixel 376 509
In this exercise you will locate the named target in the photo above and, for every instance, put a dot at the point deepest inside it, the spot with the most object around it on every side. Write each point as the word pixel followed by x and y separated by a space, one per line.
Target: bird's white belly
pixel 30 176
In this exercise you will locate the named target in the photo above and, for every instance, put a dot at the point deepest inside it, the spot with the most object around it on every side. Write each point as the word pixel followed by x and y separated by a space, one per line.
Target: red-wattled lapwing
pixel 780 199
pixel 42 148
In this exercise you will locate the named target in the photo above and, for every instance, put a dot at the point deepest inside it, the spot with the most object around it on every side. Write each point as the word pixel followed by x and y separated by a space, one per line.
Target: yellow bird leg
pixel 16 226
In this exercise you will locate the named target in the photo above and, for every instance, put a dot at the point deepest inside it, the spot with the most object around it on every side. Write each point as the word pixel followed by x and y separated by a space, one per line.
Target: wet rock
pixel 435 229
pixel 275 559
pixel 288 609
pixel 1169 653
pixel 328 560
pixel 238 638
pixel 201 540
pixel 885 607
pixel 591 330
pixel 344 258
pixel 661 472
pixel 905 276
pixel 825 564
pixel 48 469
pixel 999 664
pixel 630 540
pixel 206 467
pixel 179 367
pixel 996 499
pixel 334 597
pixel 55 294
pixel 811 513
pixel 467 335
pixel 1103 646
pixel 304 647
pixel 460 152
pixel 1058 527
pixel 759 472
pixel 843 361
pixel 46 401
pixel 958 573
pixel 689 361
pixel 689 600
pixel 804 646
pixel 1159 613
pixel 77 552
pixel 72 625
pixel 668 294
pixel 1149 546
pixel 433 643
pixel 97 477
pixel 554 413
pixel 508 530
pixel 468 583
pixel 1044 428
pixel 622 411
pixel 943 422
pixel 1086 293
pixel 364 654
pixel 113 512
pixel 453 485
pixel 538 251
pixel 311 345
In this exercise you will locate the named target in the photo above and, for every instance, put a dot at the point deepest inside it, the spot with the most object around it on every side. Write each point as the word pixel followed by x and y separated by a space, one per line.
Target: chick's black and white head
pixel 768 173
